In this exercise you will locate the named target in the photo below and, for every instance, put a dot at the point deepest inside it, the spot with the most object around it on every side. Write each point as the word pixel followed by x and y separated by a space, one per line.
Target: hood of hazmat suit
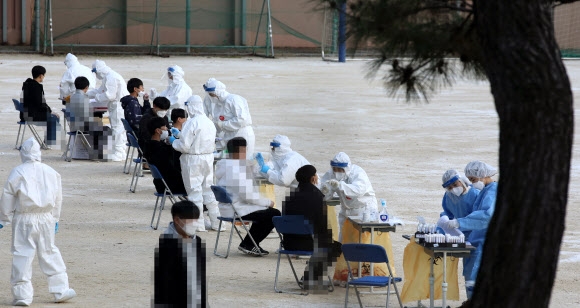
pixel 479 169
pixel 30 151
pixel 341 160
pixel 70 60
pixel 101 69
pixel 194 106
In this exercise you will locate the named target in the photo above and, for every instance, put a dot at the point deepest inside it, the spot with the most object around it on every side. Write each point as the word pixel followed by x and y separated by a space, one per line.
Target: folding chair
pixel 84 141
pixel 128 130
pixel 368 253
pixel 167 193
pixel 295 225
pixel 138 170
pixel 222 196
pixel 20 137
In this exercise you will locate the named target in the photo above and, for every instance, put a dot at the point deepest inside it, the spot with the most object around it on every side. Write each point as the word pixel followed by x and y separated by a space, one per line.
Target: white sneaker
pixel 21 302
pixel 65 296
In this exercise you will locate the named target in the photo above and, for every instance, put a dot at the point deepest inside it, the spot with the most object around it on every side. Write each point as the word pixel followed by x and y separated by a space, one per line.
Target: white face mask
pixel 161 113
pixel 340 176
pixel 189 228
pixel 141 93
pixel 479 185
pixel 457 191
pixel 164 135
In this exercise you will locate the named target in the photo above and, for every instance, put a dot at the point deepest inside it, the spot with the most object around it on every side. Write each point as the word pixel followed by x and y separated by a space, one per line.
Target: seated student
pixel 180 261
pixel 178 117
pixel 133 111
pixel 164 157
pixel 307 200
pixel 236 176
pixel 160 106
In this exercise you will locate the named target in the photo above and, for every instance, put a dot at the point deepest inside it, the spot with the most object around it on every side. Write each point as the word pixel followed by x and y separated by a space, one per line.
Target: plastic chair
pixel 222 196
pixel 167 193
pixel 23 124
pixel 138 170
pixel 295 225
pixel 369 253
pixel 128 130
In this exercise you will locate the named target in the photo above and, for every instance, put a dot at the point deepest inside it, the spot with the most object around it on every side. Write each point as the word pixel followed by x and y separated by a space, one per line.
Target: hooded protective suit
pixel 355 190
pixel 113 88
pixel 32 201
pixel 74 70
pixel 284 163
pixel 230 114
pixel 197 143
pixel 177 89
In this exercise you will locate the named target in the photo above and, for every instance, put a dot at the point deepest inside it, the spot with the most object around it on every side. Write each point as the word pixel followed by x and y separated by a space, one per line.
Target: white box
pixel 80 152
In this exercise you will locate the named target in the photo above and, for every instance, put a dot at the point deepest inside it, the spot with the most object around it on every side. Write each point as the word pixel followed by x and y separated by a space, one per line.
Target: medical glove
pixel 56 228
pixel 171 139
pixel 260 159
pixel 153 93
pixel 334 183
pixel 325 190
pixel 1 226
pixel 220 124
pixel 453 224
pixel 175 132
pixel 443 220
pixel 265 169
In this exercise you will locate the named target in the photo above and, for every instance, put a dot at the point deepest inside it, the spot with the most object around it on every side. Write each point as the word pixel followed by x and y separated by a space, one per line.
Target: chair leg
pixel 131 188
pixel 388 292
pixel 154 210
pixel 346 296
pixel 358 296
pixel 37 137
pixel 18 137
pixel 217 238
pixel 398 296
pixel 67 158
pixel 331 285
pixel 229 244
pixel 161 206
pixel 22 137
pixel 250 235
pixel 131 159
pixel 277 269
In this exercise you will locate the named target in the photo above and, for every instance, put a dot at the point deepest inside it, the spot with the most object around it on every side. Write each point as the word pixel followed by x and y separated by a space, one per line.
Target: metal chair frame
pixel 167 193
pixel 20 137
pixel 128 130
pixel 85 142
pixel 138 163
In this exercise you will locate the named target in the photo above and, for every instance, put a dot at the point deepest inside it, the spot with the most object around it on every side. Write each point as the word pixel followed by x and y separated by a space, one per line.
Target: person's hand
pixel 453 224
pixel 153 93
pixel 334 184
pixel 443 220
pixel 220 124
pixel 272 204
pixel 171 139
pixel 56 228
pixel 260 159
pixel 92 101
pixel 145 97
pixel 175 132
pixel 264 168
pixel 56 114
pixel 325 190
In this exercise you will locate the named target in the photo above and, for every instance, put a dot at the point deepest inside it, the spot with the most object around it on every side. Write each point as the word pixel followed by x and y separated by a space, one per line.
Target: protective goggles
pixel 171 69
pixel 275 144
pixel 94 70
pixel 337 164
pixel 208 89
pixel 450 181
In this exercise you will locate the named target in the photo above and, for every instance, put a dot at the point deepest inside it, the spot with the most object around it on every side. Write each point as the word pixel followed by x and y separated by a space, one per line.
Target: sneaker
pixel 252 251
pixel 65 296
pixel 263 251
pixel 21 302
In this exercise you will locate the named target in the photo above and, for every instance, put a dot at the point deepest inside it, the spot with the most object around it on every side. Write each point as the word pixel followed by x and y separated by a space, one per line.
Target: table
pixel 371 227
pixel 332 202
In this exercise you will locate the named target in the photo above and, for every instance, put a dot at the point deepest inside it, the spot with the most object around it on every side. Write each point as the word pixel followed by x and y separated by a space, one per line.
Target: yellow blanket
pixel 417 267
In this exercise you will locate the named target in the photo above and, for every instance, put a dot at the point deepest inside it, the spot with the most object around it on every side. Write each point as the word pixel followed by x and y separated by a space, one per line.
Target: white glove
pixel 92 101
pixel 325 190
pixel 443 220
pixel 453 224
pixel 220 124
pixel 92 93
pixel 153 93
pixel 334 183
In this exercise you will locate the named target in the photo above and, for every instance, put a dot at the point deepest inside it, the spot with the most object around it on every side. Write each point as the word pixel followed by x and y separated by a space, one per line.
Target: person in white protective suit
pixel 229 113
pixel 113 88
pixel 177 89
pixel 196 142
pixel 32 201
pixel 353 187
pixel 74 70
pixel 282 167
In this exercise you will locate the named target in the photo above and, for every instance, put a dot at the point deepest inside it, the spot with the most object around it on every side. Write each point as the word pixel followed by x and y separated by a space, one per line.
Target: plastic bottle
pixel 384 216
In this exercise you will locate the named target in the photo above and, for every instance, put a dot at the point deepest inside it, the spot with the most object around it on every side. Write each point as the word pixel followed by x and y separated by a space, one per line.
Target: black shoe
pixel 263 251
pixel 252 250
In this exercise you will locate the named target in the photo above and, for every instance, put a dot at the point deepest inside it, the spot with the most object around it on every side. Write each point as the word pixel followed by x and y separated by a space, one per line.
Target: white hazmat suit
pixel 74 70
pixel 284 163
pixel 178 92
pixel 230 114
pixel 354 189
pixel 32 200
pixel 113 88
pixel 197 143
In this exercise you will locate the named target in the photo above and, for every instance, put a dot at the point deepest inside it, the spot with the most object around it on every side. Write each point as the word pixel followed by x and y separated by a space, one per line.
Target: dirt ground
pixel 323 108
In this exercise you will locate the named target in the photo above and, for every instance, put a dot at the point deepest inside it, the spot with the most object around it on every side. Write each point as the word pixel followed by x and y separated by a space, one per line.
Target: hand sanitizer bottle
pixel 384 216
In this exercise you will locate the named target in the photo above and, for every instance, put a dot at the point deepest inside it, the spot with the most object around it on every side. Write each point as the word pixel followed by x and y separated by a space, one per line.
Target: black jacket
pixel 143 136
pixel 166 159
pixel 35 107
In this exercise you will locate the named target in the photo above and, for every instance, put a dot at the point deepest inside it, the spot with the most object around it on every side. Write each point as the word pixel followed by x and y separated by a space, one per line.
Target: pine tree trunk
pixel 534 103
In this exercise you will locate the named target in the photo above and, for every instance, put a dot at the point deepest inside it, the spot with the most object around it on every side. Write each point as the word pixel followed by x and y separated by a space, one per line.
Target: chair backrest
pixel 127 126
pixel 292 224
pixel 364 253
pixel 17 105
pixel 221 195
pixel 133 141
pixel 155 172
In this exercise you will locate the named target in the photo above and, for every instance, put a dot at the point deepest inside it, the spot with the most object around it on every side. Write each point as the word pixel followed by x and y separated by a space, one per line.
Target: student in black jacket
pixel 34 104
pixel 160 106
pixel 165 158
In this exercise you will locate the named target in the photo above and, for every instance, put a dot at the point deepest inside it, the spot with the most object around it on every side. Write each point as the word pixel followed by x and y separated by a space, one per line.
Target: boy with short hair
pixel 178 117
pixel 160 106
pixel 165 158
pixel 180 261
pixel 132 109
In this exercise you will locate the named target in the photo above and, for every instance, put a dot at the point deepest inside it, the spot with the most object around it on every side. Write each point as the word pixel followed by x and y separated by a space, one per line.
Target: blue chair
pixel 368 253
pixel 129 130
pixel 295 225
pixel 167 193
pixel 22 127
pixel 138 170
pixel 222 196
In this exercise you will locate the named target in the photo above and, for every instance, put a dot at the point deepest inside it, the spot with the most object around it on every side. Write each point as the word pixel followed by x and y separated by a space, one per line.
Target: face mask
pixel 161 113
pixel 189 228
pixel 340 176
pixel 457 191
pixel 141 93
pixel 164 135
pixel 479 185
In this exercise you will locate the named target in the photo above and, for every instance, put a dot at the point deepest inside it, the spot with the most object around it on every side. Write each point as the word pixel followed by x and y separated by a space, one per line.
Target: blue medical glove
pixel 171 139
pixel 265 168
pixel 1 226
pixel 260 159
pixel 175 132
pixel 56 228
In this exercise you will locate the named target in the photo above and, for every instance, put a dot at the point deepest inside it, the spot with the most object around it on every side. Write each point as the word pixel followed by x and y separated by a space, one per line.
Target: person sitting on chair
pixel 164 157
pixel 236 177
pixel 307 200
